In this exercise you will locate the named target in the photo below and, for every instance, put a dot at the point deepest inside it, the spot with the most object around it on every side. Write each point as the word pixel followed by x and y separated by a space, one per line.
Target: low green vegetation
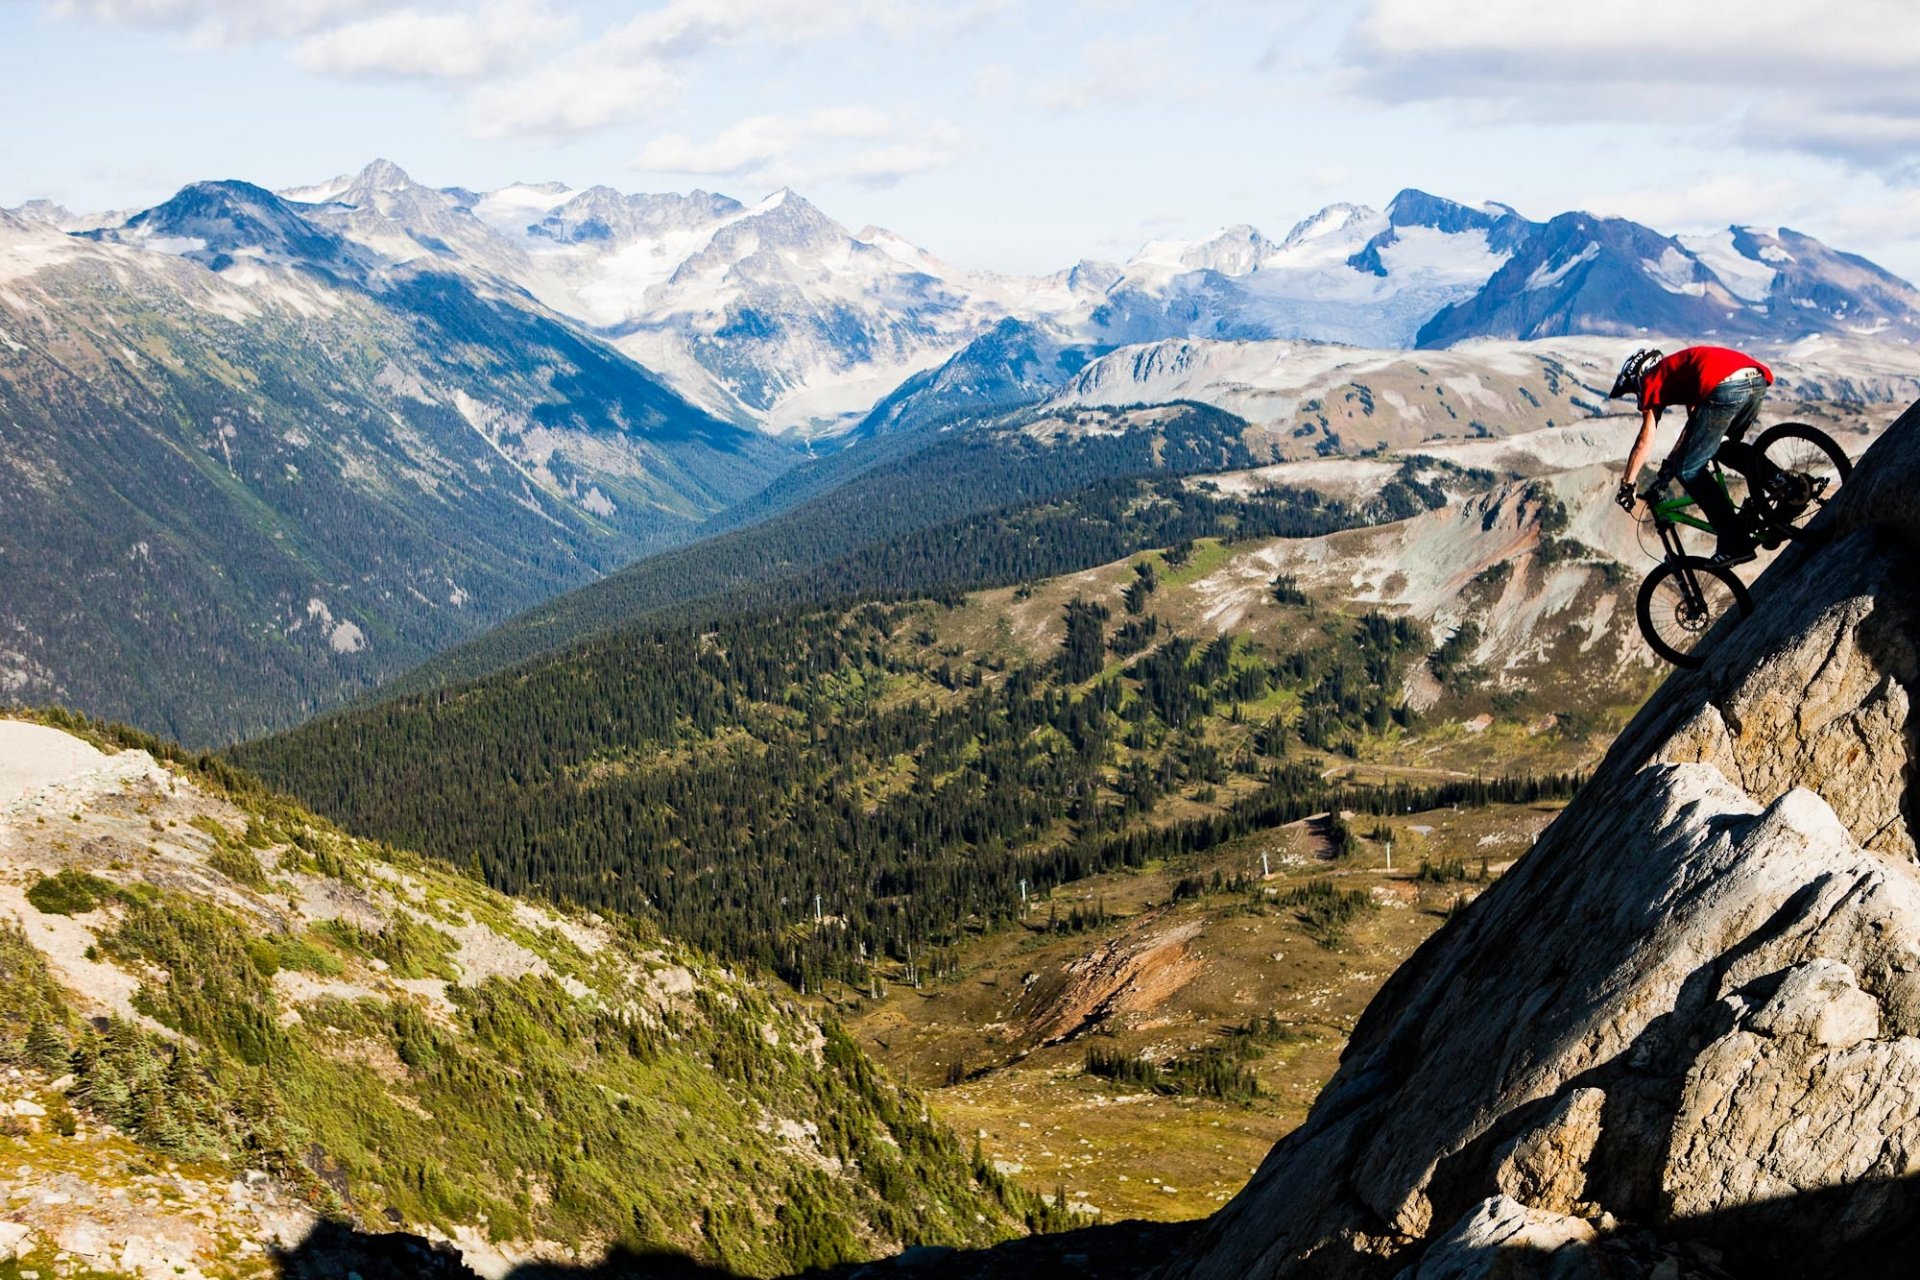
pixel 1325 910
pixel 572 1102
pixel 1214 1071
pixel 68 893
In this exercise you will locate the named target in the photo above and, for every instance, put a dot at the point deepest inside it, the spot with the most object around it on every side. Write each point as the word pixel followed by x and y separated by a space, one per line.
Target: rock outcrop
pixel 1682 1035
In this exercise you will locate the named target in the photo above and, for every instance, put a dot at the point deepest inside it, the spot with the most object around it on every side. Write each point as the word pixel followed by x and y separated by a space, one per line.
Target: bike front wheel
pixel 1810 469
pixel 1682 600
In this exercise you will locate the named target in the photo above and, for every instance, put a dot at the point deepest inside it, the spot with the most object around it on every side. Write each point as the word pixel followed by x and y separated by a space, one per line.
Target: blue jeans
pixel 1726 414
pixel 1728 411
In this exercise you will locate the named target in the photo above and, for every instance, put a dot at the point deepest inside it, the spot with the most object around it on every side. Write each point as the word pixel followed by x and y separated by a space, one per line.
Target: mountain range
pixel 267 450
pixel 248 467
pixel 773 315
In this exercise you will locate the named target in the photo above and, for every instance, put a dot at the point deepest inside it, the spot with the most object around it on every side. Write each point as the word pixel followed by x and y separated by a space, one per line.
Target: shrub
pixel 1326 910
pixel 1445 871
pixel 68 893
pixel 1285 589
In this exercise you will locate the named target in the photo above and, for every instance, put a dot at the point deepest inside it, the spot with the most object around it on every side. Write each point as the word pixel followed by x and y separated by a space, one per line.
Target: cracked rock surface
pixel 1682 1036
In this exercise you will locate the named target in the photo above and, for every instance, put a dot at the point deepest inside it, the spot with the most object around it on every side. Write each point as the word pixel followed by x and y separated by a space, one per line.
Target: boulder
pixel 1502 1239
pixel 14 1239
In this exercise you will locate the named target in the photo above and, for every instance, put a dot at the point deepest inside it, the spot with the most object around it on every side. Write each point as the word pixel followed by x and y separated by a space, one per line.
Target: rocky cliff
pixel 1682 1036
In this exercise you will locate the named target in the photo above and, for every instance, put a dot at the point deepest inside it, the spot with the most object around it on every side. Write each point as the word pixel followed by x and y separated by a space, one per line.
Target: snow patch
pixel 1746 278
pixel 1544 277
pixel 1674 272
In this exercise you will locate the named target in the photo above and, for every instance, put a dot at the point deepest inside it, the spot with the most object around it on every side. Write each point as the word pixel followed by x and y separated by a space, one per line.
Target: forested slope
pixel 969 509
pixel 823 791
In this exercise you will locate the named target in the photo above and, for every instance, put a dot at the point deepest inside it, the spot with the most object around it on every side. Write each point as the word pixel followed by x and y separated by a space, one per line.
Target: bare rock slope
pixel 1682 1036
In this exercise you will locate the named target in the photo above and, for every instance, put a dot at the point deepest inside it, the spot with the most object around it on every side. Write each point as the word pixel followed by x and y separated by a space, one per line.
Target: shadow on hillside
pixel 1120 1251
pixel 1867 1230
pixel 1816 1235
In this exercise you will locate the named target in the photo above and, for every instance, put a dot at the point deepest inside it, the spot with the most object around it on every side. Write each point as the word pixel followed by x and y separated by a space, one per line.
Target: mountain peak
pixel 214 222
pixel 1504 229
pixel 383 175
pixel 1328 221
pixel 1412 207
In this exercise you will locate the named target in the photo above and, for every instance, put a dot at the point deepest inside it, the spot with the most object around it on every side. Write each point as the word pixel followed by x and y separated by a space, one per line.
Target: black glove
pixel 1626 497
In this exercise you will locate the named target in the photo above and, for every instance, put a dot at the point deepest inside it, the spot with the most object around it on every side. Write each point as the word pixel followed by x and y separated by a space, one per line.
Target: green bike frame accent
pixel 1675 509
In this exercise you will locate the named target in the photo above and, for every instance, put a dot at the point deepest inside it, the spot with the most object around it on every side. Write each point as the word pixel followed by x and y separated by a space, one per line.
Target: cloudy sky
pixel 1022 134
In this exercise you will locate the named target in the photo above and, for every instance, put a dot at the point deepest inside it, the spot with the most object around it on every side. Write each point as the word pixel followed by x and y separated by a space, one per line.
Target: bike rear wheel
pixel 1682 600
pixel 1812 468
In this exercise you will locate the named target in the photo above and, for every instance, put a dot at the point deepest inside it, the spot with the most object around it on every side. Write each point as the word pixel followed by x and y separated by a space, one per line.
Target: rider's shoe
pixel 1726 557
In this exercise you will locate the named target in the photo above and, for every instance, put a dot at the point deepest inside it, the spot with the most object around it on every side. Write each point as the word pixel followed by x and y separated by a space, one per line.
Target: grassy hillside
pixel 231 983
pixel 1145 1056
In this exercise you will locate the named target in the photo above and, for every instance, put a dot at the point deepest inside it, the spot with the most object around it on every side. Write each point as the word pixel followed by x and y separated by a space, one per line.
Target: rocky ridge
pixel 1682 1035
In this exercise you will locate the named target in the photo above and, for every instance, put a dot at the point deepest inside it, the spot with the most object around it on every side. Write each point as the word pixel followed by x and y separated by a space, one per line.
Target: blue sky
pixel 1005 133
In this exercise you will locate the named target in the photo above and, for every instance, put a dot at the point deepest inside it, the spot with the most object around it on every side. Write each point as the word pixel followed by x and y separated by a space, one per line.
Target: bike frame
pixel 1675 510
pixel 1668 515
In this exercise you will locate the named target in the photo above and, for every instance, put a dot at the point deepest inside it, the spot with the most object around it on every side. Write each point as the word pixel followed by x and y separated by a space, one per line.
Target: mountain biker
pixel 1722 389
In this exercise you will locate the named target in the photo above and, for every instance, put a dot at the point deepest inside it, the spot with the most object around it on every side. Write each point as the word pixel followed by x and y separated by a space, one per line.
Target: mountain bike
pixel 1779 483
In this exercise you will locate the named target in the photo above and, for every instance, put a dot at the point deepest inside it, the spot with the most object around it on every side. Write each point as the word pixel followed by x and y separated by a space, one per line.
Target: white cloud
pixel 1329 177
pixel 224 21
pixel 639 64
pixel 1116 72
pixel 574 94
pixel 436 45
pixel 1709 202
pixel 853 144
pixel 1796 75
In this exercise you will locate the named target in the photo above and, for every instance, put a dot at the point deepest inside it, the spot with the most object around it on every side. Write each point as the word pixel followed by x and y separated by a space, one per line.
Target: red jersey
pixel 1687 377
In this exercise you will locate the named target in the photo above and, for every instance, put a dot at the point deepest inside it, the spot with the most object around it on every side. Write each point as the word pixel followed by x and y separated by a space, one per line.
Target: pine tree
pixel 46 1047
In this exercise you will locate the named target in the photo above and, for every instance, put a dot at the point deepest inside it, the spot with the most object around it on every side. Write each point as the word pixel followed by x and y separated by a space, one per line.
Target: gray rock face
pixel 1692 1013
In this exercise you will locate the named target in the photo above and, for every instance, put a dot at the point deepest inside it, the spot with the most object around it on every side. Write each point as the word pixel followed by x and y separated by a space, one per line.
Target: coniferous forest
pixel 819 791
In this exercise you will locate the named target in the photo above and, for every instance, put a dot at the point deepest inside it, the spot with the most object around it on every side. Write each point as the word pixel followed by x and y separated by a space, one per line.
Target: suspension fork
pixel 1690 591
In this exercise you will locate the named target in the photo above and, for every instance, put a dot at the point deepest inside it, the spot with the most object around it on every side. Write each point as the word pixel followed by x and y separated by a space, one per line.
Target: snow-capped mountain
pixel 776 316
pixel 1347 274
pixel 1015 363
pixel 260 466
pixel 769 314
pixel 1578 273
pixel 223 224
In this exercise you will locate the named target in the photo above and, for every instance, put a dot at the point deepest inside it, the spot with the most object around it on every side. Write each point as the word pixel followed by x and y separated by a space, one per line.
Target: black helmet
pixel 1635 368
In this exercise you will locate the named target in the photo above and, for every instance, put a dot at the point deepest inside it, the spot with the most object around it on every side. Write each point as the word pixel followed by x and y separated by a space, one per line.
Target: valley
pixel 1184 967
pixel 717 741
